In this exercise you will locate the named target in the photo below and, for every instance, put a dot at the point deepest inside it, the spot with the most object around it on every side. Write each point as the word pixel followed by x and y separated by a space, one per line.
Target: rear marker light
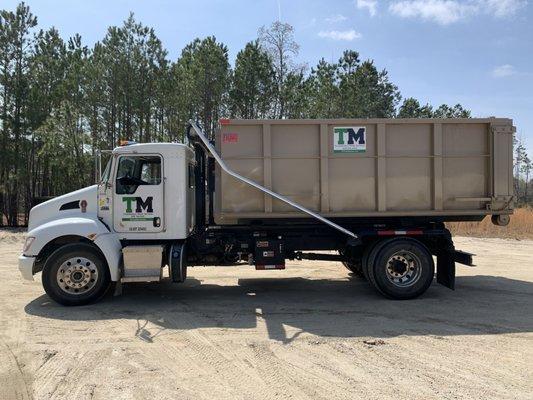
pixel 265 267
pixel 400 233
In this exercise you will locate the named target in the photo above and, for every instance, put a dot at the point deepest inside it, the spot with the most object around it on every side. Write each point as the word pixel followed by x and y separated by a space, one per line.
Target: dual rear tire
pixel 354 264
pixel 399 268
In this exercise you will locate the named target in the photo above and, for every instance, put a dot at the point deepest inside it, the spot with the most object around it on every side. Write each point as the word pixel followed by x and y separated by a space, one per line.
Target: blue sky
pixel 475 52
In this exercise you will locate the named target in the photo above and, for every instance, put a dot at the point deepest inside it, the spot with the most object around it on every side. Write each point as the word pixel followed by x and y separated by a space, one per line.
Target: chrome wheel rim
pixel 77 275
pixel 403 268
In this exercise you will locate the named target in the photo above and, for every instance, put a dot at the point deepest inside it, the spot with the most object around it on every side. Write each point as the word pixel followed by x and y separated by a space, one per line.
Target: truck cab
pixel 81 240
pixel 147 192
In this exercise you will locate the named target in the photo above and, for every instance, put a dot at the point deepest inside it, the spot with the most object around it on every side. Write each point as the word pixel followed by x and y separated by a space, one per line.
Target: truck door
pixel 139 197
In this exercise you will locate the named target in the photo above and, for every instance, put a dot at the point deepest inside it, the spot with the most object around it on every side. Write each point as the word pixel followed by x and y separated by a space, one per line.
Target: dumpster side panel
pixel 361 168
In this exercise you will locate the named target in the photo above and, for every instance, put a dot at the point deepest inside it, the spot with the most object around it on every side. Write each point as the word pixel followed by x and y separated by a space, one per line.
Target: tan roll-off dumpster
pixel 450 168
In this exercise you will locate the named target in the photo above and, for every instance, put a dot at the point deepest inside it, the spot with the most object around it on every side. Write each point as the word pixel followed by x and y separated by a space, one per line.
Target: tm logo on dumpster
pixel 349 139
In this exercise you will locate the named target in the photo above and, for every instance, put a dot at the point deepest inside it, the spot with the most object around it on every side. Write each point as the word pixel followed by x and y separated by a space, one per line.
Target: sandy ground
pixel 310 332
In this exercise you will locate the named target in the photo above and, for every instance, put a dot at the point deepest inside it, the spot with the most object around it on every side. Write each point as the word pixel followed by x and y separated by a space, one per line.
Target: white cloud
pixel 336 18
pixel 446 12
pixel 348 35
pixel 504 8
pixel 503 71
pixel 442 11
pixel 370 5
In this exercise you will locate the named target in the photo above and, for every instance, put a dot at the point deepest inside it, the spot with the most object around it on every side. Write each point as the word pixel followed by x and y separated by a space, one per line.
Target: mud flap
pixel 446 267
pixel 178 262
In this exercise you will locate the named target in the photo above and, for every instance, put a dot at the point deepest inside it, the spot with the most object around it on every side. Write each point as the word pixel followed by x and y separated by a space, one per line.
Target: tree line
pixel 61 100
pixel 523 169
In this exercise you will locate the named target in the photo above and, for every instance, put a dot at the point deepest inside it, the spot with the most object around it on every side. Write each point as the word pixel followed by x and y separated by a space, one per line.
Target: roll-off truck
pixel 373 194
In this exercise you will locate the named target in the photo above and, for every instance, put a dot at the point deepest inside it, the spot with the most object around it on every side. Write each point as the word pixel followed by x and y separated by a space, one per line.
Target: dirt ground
pixel 309 332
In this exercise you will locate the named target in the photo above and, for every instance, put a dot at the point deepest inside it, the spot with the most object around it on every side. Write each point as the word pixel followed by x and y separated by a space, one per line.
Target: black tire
pixel 355 265
pixel 415 268
pixel 98 278
pixel 364 262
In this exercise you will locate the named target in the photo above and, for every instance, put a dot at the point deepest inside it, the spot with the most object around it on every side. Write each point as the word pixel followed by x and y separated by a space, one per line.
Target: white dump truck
pixel 373 194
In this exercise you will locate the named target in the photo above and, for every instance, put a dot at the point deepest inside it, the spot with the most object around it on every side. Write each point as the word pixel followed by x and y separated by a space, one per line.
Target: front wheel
pixel 400 268
pixel 76 274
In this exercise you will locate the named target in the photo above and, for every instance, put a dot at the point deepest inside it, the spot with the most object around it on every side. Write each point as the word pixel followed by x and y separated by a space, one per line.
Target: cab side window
pixel 134 171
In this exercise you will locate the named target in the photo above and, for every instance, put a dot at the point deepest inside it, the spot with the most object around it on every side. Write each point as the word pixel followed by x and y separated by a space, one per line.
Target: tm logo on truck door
pixel 349 139
pixel 138 208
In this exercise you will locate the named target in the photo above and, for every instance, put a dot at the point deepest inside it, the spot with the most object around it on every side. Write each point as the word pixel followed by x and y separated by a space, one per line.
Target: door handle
pixel 157 222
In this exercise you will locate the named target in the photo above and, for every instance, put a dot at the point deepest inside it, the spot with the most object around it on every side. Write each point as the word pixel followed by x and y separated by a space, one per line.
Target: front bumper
pixel 26 267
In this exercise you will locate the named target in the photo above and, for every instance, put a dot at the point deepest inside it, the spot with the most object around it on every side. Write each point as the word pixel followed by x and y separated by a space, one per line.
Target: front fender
pixel 110 246
pixel 91 229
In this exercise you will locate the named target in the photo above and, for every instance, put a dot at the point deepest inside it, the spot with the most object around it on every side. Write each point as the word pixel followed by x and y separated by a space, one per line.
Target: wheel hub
pixel 77 275
pixel 403 269
pixel 398 267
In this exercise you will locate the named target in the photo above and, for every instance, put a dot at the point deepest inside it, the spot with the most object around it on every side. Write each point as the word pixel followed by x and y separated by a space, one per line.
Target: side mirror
pixel 126 185
pixel 126 181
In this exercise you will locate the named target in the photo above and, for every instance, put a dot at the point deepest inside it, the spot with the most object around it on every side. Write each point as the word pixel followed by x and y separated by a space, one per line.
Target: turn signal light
pixel 27 244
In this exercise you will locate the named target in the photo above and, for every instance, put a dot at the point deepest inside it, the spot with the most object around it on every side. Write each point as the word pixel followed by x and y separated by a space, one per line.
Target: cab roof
pixel 159 148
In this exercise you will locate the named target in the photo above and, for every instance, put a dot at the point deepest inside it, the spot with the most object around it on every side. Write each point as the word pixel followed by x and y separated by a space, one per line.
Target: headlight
pixel 28 243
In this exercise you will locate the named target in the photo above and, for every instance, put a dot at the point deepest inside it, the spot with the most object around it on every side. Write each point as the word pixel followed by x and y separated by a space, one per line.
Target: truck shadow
pixel 288 307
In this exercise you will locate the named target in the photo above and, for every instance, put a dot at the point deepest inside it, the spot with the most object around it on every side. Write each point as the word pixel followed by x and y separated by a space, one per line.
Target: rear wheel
pixel 76 274
pixel 354 265
pixel 366 255
pixel 400 268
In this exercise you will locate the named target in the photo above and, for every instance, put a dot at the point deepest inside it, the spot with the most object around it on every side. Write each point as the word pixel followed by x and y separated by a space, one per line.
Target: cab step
pixel 142 263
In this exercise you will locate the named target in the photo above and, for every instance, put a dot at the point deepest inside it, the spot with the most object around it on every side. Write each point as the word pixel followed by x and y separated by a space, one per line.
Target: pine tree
pixel 253 85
